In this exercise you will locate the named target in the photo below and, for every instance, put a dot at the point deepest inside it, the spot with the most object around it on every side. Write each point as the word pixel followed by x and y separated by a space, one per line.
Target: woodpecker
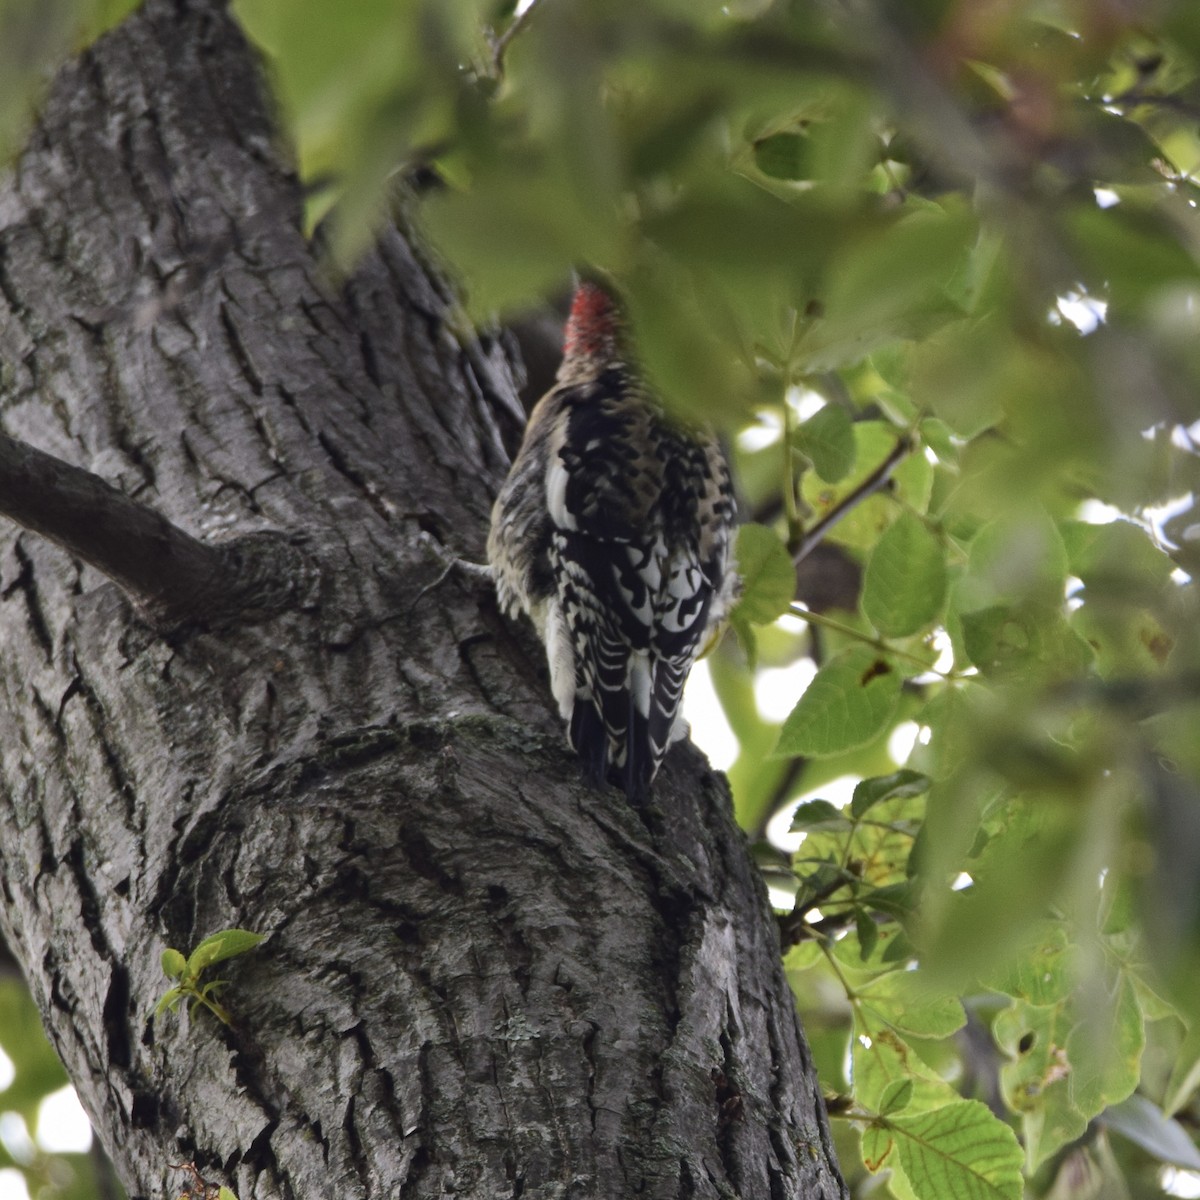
pixel 612 532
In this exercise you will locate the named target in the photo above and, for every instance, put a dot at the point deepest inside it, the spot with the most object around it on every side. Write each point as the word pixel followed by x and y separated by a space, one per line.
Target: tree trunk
pixel 482 978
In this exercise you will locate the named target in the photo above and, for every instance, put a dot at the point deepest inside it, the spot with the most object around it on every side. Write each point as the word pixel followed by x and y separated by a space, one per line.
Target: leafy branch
pixel 876 481
pixel 500 42
pixel 867 639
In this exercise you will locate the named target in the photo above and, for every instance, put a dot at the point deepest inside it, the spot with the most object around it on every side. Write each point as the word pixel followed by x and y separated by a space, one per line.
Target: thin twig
pixel 873 483
pixel 815 618
pixel 500 44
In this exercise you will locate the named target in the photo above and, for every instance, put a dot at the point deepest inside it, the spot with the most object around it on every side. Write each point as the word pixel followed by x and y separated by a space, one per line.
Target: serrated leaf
pixel 903 1001
pixel 958 1152
pixel 222 945
pixel 870 792
pixel 827 437
pixel 904 588
pixel 767 574
pixel 850 700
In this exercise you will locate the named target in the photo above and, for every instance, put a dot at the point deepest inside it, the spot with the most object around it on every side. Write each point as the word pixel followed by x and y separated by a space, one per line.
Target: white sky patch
pixel 1073 589
pixel 805 402
pixel 1178 1182
pixel 62 1125
pixel 781 898
pixel 1096 512
pixel 776 689
pixel 1086 313
pixel 12 1185
pixel 766 431
pixel 7 1071
pixel 14 1134
pixel 838 792
pixel 944 663
pixel 1160 514
pixel 1105 197
pixel 901 741
pixel 790 623
pixel 703 712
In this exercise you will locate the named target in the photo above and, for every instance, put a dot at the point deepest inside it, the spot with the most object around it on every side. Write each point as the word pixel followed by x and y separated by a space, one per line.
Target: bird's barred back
pixel 613 533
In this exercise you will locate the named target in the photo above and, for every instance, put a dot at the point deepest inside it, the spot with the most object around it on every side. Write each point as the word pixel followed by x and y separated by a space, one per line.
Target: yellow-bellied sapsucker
pixel 613 533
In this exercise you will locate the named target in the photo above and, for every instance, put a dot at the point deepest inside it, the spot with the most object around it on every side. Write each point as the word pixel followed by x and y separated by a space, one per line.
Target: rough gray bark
pixel 482 978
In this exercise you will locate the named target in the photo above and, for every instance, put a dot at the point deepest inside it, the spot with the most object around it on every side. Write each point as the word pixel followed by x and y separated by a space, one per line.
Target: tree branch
pixel 172 577
pixel 500 42
pixel 873 483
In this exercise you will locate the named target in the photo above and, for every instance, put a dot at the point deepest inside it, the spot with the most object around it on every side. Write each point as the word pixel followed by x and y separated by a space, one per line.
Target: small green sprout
pixel 215 948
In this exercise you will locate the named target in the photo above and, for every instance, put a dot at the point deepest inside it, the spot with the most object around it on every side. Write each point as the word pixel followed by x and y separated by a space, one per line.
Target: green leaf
pixel 880 1058
pixel 895 1096
pixel 905 584
pixel 1026 641
pixel 783 156
pixel 173 963
pixel 827 437
pixel 868 933
pixel 848 703
pixel 891 283
pixel 877 1145
pixel 224 1193
pixel 768 576
pixel 903 783
pixel 818 814
pixel 903 1001
pixel 169 1000
pixel 222 945
pixel 912 480
pixel 1105 1048
pixel 1128 253
pixel 961 1151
